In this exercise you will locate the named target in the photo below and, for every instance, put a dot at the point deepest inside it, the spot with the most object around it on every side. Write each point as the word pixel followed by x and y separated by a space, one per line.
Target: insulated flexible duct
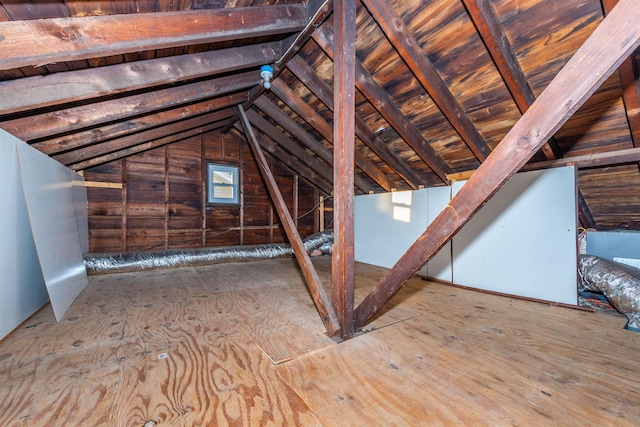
pixel 139 261
pixel 619 283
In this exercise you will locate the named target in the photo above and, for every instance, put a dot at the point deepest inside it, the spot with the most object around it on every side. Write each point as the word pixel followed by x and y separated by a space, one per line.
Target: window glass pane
pixel 220 177
pixel 223 191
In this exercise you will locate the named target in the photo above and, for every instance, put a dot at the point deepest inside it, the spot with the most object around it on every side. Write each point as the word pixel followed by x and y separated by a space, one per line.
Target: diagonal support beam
pixel 320 298
pixel 342 260
pixel 614 39
pixel 410 51
pixel 70 39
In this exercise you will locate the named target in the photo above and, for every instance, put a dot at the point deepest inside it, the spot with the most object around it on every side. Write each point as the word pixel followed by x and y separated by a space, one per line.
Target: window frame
pixel 213 167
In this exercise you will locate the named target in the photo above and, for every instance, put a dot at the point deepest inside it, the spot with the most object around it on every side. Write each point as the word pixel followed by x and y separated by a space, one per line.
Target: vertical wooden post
pixel 343 163
pixel 308 271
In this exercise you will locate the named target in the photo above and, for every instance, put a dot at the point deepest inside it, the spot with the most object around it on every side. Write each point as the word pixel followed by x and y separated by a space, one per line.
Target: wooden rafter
pixel 299 167
pixel 615 38
pixel 411 52
pixel 320 298
pixel 630 89
pixel 388 109
pixel 146 146
pixel 317 12
pixel 494 38
pixel 584 213
pixel 321 89
pixel 342 265
pixel 106 147
pixel 42 91
pixel 609 158
pixel 69 39
pixel 488 25
pixel 72 119
pixel 293 148
pixel 288 124
pixel 137 124
pixel 304 110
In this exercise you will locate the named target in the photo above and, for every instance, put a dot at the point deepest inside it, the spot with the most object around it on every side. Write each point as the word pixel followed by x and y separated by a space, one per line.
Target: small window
pixel 222 184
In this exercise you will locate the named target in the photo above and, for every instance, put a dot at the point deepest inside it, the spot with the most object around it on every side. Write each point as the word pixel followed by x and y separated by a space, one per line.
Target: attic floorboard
pixel 437 356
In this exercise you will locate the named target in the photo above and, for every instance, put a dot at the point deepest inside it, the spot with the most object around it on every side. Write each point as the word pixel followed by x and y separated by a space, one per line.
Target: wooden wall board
pixel 162 193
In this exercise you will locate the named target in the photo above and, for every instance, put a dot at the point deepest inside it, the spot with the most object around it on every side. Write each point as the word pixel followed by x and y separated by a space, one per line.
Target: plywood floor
pixel 241 345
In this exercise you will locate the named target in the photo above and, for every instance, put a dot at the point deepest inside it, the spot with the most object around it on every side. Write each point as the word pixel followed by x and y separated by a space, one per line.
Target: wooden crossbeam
pixel 426 73
pixel 103 148
pixel 45 41
pixel 69 120
pixel 320 298
pixel 146 146
pixel 137 124
pixel 321 89
pixel 343 261
pixel 614 39
pixel 41 91
pixel 388 109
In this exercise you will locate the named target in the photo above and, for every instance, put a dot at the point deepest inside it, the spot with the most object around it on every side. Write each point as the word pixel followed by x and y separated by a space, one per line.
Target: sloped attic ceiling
pixel 439 83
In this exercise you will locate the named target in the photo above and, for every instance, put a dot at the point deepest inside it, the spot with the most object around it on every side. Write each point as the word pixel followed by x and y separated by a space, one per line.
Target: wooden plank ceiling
pixel 438 85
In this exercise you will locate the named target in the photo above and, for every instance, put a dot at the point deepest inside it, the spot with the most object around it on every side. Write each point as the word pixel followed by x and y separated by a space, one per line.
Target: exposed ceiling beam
pixel 318 123
pixel 297 166
pixel 608 158
pixel 137 124
pixel 426 73
pixel 615 38
pixel 46 41
pixel 295 150
pixel 388 109
pixel 297 104
pixel 72 119
pixel 321 89
pixel 146 146
pixel 109 146
pixel 630 89
pixel 42 91
pixel 317 12
pixel 488 25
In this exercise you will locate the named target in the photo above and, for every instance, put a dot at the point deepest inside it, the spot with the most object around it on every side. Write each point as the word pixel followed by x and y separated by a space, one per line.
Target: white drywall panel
pixel 523 241
pixel 48 191
pixel 386 225
pixel 80 203
pixel 22 289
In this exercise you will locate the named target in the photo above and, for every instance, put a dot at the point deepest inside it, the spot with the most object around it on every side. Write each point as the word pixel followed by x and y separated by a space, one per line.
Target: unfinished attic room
pixel 319 213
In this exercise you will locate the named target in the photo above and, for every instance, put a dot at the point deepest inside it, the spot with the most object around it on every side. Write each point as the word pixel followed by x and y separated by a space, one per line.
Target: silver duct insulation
pixel 138 261
pixel 619 283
